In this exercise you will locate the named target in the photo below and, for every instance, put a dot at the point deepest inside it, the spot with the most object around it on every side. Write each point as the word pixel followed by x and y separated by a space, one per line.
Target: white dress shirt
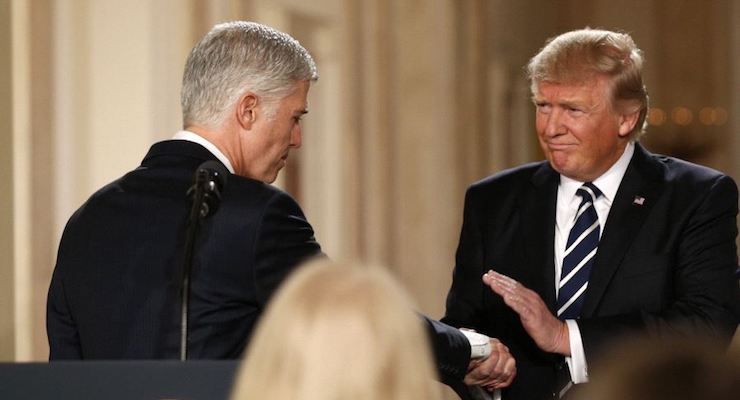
pixel 194 137
pixel 567 206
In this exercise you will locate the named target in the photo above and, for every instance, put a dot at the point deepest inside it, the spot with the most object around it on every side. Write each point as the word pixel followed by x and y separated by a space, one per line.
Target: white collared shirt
pixel 567 206
pixel 194 137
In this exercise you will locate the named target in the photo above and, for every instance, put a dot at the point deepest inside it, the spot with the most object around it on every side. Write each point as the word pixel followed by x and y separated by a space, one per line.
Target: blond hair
pixel 338 331
pixel 576 57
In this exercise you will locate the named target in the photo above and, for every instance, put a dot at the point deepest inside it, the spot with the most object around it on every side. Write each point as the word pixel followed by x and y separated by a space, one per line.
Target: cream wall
pixel 88 75
pixel 7 205
pixel 416 100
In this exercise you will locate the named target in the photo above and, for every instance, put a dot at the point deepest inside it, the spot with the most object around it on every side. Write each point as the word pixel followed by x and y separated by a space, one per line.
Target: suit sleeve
pixel 285 239
pixel 705 290
pixel 64 341
pixel 451 349
pixel 465 297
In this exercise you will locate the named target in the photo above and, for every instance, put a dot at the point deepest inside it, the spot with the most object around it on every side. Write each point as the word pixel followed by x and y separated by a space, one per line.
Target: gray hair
pixel 577 56
pixel 236 57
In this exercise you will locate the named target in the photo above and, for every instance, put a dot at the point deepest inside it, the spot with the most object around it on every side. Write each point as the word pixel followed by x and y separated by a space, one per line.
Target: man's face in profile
pixel 276 131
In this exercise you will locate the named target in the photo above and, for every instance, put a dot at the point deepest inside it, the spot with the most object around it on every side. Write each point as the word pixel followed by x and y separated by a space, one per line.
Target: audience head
pixel 678 369
pixel 338 331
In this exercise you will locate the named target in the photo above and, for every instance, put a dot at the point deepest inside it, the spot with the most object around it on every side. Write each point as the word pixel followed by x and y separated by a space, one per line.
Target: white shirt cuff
pixel 577 360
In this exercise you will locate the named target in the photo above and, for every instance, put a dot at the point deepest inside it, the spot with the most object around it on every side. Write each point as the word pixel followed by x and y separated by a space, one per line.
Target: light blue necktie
pixel 579 254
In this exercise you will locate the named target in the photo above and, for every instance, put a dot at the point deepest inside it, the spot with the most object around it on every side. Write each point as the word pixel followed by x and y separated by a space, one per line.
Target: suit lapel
pixel 639 190
pixel 538 226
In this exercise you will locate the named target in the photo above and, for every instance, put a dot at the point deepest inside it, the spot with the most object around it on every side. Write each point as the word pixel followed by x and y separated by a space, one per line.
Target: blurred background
pixel 417 99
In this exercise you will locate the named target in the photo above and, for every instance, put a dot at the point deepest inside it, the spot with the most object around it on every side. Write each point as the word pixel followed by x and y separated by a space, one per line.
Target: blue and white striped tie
pixel 579 255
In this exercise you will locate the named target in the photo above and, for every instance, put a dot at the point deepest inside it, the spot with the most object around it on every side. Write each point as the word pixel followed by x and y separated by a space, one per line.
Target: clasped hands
pixel 549 333
pixel 494 372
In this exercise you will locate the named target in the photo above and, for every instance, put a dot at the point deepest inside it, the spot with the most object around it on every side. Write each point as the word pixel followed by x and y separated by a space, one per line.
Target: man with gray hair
pixel 560 258
pixel 116 288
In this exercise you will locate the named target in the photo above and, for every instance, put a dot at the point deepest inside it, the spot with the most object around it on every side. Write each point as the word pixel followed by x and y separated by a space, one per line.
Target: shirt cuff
pixel 577 360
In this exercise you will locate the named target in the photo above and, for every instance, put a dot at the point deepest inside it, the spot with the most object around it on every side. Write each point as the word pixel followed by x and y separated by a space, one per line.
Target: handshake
pixel 480 345
pixel 491 365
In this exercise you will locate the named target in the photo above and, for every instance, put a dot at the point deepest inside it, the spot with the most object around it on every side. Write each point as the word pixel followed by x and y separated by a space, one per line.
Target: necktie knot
pixel 589 191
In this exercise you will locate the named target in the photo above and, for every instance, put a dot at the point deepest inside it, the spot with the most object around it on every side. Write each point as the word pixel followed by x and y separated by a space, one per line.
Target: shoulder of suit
pixel 509 184
pixel 678 170
pixel 512 176
pixel 250 190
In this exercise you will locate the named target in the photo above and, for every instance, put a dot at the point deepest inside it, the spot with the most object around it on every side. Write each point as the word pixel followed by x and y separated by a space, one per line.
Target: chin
pixel 271 178
pixel 561 164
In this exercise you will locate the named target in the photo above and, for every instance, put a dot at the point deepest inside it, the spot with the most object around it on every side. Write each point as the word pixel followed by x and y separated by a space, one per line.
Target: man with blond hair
pixel 560 258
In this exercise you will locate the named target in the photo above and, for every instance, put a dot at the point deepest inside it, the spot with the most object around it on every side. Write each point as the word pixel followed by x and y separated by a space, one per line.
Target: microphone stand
pixel 210 178
pixel 195 218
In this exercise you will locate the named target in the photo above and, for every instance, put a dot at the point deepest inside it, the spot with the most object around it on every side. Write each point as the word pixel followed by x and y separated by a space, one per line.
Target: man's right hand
pixel 494 372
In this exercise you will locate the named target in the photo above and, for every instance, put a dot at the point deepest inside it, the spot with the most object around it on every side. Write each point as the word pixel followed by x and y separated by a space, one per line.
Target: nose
pixel 295 137
pixel 554 125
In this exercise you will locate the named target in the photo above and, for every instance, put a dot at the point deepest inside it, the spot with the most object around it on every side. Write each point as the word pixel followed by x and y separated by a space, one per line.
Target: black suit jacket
pixel 662 267
pixel 451 353
pixel 115 291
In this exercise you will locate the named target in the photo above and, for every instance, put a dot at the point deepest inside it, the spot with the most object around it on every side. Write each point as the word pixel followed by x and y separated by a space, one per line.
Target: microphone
pixel 208 182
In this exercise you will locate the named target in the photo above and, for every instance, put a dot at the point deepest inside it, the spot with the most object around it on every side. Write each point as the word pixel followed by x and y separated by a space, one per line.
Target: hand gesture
pixel 550 333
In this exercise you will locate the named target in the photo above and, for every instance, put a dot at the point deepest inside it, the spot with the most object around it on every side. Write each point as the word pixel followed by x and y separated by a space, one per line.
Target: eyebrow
pixel 571 103
pixel 563 103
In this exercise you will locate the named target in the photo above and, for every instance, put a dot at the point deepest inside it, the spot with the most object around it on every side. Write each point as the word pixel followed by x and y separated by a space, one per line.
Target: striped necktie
pixel 579 254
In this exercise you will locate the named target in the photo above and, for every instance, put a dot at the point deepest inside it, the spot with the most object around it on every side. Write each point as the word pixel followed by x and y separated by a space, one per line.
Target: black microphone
pixel 208 183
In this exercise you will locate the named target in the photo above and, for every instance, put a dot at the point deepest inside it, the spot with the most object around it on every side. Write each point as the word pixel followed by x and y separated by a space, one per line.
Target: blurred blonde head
pixel 338 331
pixel 666 369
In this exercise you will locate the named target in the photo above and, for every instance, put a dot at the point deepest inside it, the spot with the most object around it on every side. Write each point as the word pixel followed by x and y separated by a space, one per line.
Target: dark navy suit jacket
pixel 664 265
pixel 115 291
pixel 116 286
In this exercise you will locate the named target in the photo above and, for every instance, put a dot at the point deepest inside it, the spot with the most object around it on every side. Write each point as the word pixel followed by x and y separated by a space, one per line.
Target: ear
pixel 246 110
pixel 627 123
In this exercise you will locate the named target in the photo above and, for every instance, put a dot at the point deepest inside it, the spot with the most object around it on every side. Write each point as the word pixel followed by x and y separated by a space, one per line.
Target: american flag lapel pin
pixel 638 201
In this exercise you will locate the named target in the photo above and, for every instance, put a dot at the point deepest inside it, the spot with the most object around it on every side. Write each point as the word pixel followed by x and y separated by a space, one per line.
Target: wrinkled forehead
pixel 594 83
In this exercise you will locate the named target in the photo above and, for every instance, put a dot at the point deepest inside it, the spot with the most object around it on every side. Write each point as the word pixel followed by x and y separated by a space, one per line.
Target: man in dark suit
pixel 116 289
pixel 560 258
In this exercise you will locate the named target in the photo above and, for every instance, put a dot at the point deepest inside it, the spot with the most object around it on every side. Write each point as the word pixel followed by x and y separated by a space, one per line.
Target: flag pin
pixel 638 201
